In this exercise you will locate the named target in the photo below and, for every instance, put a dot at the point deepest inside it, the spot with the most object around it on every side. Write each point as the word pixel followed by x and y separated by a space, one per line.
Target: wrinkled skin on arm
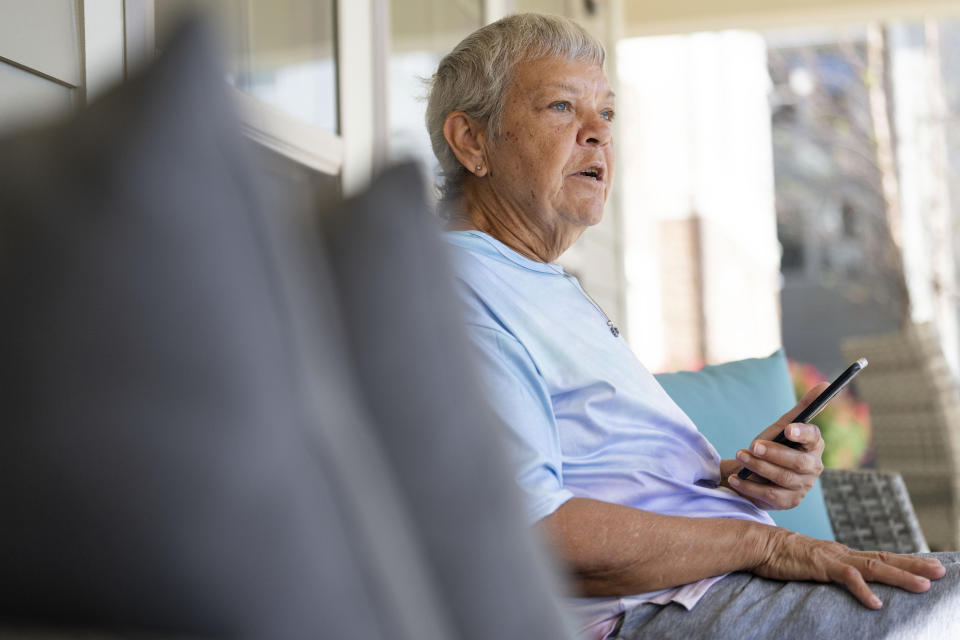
pixel 613 550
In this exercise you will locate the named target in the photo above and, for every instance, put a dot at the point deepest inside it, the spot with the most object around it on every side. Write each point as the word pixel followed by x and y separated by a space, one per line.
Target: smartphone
pixel 815 407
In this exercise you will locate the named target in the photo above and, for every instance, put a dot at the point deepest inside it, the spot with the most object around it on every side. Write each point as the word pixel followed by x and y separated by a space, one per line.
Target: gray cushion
pixel 181 447
pixel 408 339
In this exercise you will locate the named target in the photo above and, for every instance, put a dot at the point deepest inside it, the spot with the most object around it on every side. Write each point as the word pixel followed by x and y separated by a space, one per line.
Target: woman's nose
pixel 595 132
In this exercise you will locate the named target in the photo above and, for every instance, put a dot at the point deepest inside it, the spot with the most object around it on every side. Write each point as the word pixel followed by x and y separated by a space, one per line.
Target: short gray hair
pixel 475 76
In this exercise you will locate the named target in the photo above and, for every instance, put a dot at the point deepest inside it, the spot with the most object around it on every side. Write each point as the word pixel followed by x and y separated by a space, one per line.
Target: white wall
pixel 56 57
pixel 695 140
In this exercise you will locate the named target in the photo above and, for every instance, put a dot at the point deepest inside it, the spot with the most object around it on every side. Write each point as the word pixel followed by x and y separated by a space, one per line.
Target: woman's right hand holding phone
pixel 786 473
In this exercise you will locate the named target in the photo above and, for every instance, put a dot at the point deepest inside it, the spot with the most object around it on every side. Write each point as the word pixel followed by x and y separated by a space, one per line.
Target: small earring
pixel 479 167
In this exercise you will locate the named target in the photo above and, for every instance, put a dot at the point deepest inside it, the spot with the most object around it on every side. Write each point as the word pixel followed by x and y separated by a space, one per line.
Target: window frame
pixel 286 135
pixel 362 45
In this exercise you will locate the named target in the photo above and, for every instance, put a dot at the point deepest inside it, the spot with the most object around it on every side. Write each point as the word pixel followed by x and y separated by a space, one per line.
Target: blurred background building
pixel 788 172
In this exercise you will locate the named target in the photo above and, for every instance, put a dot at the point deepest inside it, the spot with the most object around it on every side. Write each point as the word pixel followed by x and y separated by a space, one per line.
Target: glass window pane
pixel 280 51
pixel 292 59
pixel 421 33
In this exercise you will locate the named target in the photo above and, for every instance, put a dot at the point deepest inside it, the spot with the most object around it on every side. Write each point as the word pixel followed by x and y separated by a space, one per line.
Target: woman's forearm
pixel 616 550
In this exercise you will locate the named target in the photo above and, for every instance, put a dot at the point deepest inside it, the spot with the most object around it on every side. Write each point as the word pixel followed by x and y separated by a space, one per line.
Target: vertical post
pixel 493 10
pixel 355 77
pixel 937 212
pixel 880 93
pixel 138 34
pixel 103 39
pixel 381 86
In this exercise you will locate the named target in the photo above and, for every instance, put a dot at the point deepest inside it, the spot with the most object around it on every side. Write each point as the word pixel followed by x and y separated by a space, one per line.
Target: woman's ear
pixel 467 140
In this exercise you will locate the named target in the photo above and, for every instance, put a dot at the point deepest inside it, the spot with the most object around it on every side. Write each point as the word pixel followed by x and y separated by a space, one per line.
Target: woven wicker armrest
pixel 871 510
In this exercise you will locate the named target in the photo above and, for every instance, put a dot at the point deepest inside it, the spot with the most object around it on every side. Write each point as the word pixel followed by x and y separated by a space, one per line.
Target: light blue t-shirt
pixel 585 417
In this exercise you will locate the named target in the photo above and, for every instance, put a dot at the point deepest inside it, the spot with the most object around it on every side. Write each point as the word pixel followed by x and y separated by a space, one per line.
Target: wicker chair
pixel 871 510
pixel 915 416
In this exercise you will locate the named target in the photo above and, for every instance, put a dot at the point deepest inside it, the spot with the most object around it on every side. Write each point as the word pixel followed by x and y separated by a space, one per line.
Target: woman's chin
pixel 585 212
pixel 589 216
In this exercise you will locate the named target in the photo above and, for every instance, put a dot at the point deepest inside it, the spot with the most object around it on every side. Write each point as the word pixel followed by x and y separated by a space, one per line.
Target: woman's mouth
pixel 593 172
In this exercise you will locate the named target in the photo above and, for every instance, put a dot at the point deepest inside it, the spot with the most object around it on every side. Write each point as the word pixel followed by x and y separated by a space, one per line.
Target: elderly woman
pixel 633 498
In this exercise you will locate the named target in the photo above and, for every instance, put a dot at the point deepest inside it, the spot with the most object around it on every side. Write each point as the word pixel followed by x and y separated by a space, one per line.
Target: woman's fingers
pixel 852 579
pixel 927 567
pixel 765 495
pixel 801 463
pixel 771 432
pixel 807 435
pixel 788 417
pixel 879 567
pixel 909 573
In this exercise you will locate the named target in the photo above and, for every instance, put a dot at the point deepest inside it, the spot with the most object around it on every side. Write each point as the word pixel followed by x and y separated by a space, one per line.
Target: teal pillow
pixel 731 403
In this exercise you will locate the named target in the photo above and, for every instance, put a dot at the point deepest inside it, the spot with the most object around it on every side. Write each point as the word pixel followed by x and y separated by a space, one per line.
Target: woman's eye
pixel 607 115
pixel 560 106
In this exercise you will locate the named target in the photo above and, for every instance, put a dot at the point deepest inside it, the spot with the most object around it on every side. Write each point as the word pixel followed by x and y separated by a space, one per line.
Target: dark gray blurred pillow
pixel 408 339
pixel 181 447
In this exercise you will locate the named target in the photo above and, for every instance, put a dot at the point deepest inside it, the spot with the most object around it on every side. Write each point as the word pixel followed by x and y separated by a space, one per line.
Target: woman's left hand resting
pixel 790 473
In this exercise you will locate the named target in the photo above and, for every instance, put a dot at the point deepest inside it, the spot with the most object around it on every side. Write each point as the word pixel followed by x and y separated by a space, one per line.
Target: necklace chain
pixel 614 329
